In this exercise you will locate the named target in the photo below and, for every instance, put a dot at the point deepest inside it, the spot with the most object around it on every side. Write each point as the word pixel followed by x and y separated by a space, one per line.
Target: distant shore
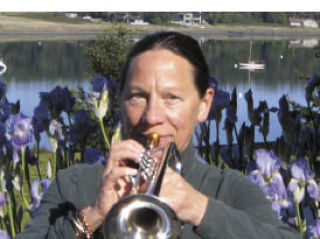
pixel 15 28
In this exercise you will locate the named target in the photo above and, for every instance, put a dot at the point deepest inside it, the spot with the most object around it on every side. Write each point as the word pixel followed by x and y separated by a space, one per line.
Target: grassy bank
pixel 48 26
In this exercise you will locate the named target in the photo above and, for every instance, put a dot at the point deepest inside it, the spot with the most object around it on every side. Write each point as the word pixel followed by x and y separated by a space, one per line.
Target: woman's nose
pixel 154 112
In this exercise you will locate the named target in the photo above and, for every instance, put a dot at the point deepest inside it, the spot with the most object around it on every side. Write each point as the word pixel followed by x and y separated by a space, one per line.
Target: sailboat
pixel 3 67
pixel 252 65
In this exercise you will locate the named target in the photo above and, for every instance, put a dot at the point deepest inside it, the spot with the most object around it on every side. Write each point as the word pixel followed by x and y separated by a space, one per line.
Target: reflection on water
pixel 306 43
pixel 34 67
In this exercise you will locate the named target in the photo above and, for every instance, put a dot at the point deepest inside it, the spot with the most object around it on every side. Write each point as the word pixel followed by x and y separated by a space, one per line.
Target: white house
pixel 139 22
pixel 307 22
pixel 187 18
pixel 71 15
pixel 87 18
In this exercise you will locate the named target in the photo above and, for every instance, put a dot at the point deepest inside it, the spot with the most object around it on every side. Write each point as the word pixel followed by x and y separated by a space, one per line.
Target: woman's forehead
pixel 160 65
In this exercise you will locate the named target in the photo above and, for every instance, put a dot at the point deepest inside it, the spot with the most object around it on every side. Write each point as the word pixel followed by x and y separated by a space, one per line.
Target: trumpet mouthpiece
pixel 153 140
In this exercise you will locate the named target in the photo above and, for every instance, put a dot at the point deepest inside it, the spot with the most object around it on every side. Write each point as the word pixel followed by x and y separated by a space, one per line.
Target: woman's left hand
pixel 188 203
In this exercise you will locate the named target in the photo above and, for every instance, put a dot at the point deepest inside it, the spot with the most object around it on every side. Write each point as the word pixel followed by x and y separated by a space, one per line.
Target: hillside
pixel 18 27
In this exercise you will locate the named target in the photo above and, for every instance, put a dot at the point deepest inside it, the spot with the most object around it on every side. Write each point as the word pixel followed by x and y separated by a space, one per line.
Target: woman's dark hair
pixel 178 43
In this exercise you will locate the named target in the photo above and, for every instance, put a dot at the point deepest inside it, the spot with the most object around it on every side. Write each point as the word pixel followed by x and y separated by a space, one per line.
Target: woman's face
pixel 160 96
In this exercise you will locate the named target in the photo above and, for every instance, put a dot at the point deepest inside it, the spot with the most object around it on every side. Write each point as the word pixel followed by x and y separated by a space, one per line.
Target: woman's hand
pixel 189 204
pixel 114 183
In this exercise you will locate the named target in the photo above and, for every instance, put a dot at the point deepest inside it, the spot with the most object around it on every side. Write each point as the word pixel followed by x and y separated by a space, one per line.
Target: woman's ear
pixel 205 105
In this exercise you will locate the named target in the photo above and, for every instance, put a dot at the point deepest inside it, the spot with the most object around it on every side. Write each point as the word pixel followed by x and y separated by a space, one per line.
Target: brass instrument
pixel 143 215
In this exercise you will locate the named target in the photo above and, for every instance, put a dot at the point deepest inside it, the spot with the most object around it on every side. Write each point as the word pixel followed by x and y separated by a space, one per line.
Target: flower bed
pixel 81 126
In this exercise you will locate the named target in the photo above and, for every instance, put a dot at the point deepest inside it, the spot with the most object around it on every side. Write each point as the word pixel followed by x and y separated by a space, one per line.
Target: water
pixel 285 62
pixel 35 67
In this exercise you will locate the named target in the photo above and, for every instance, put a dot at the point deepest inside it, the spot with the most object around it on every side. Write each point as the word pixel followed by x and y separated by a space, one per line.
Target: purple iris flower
pixel 62 99
pixel 82 127
pixel 264 172
pixel 278 193
pixel 314 229
pixel 264 167
pixel 55 129
pixel 19 130
pixel 213 82
pixel 36 195
pixel 257 178
pixel 266 162
pixel 58 100
pixel 221 98
pixel 311 84
pixel 302 176
pixel 55 134
pixel 4 235
pixel 99 84
pixel 93 155
pixel 5 110
pixel 40 119
pixel 220 101
pixel 299 170
pixel 313 189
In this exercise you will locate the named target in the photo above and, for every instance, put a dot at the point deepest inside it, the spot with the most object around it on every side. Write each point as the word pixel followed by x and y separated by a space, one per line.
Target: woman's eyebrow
pixel 136 87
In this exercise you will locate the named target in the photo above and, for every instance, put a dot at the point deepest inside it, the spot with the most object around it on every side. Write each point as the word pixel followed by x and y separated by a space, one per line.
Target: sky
pixel 161 6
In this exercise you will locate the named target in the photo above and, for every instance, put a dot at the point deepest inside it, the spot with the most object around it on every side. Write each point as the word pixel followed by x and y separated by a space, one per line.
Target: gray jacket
pixel 236 209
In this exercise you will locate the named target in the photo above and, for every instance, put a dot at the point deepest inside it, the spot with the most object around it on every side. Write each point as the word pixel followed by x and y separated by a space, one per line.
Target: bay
pixel 40 66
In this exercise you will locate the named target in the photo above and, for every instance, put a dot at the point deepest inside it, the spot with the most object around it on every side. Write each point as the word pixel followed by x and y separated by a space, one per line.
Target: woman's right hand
pixel 114 183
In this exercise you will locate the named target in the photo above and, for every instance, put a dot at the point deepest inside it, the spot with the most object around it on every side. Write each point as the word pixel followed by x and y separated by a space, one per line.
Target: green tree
pixel 107 55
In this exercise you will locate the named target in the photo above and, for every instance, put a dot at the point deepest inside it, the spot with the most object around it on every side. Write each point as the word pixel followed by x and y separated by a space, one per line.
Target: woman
pixel 164 89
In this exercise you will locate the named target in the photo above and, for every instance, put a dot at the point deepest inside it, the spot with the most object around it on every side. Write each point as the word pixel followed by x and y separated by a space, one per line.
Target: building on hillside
pixel 197 17
pixel 71 15
pixel 127 17
pixel 139 22
pixel 187 18
pixel 87 18
pixel 300 22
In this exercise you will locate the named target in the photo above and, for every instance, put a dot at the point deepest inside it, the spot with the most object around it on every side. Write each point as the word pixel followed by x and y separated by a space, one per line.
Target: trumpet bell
pixel 141 216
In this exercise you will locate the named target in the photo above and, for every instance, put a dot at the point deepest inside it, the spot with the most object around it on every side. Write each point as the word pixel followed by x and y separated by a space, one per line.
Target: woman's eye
pixel 173 98
pixel 135 98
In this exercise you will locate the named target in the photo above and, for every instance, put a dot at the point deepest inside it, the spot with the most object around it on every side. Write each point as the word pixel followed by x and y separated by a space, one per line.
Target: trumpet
pixel 143 215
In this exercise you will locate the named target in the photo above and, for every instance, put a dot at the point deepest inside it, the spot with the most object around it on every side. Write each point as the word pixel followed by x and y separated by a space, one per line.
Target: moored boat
pixel 3 67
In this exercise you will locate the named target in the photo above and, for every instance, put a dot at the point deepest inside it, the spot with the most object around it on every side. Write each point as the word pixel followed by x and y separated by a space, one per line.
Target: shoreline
pixel 14 28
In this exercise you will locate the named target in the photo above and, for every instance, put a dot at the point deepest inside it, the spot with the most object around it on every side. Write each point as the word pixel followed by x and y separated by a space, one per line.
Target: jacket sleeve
pixel 74 187
pixel 240 210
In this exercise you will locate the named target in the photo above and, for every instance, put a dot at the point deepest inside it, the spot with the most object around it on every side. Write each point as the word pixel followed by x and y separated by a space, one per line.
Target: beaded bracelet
pixel 81 225
pixel 85 225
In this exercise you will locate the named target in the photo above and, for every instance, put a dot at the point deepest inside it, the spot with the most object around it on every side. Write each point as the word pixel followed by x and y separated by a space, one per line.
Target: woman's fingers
pixel 122 152
pixel 110 179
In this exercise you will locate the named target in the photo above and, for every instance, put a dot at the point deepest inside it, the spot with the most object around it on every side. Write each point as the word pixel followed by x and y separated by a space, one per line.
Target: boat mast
pixel 250 52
